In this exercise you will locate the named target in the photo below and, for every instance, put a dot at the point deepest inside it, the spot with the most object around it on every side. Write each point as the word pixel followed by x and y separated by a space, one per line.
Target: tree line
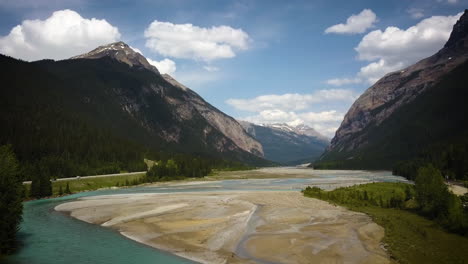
pixel 450 159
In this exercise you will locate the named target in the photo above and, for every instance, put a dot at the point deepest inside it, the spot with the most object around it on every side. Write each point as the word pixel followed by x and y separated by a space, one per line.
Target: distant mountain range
pixel 289 145
pixel 99 105
pixel 419 112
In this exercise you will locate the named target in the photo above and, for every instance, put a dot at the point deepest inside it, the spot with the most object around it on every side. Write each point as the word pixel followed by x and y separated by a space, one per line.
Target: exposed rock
pixel 224 123
pixel 121 52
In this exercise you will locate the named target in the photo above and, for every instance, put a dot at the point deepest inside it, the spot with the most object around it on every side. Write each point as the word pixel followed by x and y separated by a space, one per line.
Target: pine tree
pixel 11 207
pixel 60 191
pixel 67 189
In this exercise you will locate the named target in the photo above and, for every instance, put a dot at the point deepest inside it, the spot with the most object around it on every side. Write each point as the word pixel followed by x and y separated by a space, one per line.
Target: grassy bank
pixel 409 237
pixel 90 184
pixel 95 183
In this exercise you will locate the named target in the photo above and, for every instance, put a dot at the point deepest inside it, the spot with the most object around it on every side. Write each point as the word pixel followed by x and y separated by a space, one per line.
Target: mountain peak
pixel 300 129
pixel 119 51
pixel 459 32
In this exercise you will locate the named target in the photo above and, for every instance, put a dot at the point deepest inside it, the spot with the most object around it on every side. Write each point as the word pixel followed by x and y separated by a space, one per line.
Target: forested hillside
pixel 71 118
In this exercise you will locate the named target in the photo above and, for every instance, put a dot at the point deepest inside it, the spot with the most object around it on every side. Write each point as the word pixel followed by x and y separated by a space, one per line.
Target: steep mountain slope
pixel 106 112
pixel 186 102
pixel 222 122
pixel 286 144
pixel 406 111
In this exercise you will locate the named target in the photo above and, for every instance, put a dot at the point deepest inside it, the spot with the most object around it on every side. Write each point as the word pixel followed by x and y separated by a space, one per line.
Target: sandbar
pixel 238 226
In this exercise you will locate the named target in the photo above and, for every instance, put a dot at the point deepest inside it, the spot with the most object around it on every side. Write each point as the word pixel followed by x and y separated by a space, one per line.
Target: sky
pixel 295 62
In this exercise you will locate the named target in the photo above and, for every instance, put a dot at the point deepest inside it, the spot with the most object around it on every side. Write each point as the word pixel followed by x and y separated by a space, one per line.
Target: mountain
pixel 121 52
pixel 187 103
pixel 407 112
pixel 227 125
pixel 288 144
pixel 117 107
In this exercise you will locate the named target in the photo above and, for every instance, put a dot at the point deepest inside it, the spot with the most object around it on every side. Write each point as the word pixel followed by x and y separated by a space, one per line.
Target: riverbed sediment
pixel 238 226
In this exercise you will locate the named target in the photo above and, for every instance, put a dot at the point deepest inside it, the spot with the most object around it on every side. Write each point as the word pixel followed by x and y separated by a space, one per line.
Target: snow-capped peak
pixel 300 129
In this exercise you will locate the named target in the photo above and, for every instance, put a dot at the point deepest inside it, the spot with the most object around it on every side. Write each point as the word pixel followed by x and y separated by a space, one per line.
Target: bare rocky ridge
pixel 121 52
pixel 224 123
pixel 399 88
pixel 186 104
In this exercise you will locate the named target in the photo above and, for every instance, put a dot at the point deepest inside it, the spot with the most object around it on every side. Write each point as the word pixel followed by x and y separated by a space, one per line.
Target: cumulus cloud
pixel 355 24
pixel 64 34
pixel 372 72
pixel 290 102
pixel 192 42
pixel 280 116
pixel 394 48
pixel 164 66
pixel 325 122
pixel 296 109
pixel 399 45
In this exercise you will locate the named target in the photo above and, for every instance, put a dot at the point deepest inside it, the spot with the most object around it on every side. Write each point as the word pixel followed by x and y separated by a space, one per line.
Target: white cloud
pixel 280 116
pixel 296 109
pixel 343 81
pixel 211 68
pixel 415 13
pixel 355 24
pixel 192 42
pixel 63 35
pixel 325 122
pixel 136 50
pixel 164 66
pixel 395 48
pixel 372 72
pixel 325 116
pixel 291 102
pixel 398 45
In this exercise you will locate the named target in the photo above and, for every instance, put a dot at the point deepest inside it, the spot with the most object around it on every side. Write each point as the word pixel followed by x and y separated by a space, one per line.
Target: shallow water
pixel 51 237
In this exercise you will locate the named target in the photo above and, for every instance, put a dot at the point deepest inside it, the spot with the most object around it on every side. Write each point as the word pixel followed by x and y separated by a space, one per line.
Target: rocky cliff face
pixel 184 106
pixel 224 123
pixel 400 88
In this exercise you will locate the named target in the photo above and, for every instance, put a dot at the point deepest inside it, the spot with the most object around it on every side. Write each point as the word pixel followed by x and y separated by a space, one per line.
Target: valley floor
pixel 238 227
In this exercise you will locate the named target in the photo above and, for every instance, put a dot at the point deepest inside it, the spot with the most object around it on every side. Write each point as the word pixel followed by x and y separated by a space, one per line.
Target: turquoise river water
pixel 50 237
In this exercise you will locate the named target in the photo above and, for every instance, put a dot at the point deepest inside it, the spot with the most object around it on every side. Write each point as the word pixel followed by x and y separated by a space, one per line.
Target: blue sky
pixel 263 61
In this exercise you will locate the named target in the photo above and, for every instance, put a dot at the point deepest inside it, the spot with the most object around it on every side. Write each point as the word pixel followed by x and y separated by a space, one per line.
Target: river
pixel 51 237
